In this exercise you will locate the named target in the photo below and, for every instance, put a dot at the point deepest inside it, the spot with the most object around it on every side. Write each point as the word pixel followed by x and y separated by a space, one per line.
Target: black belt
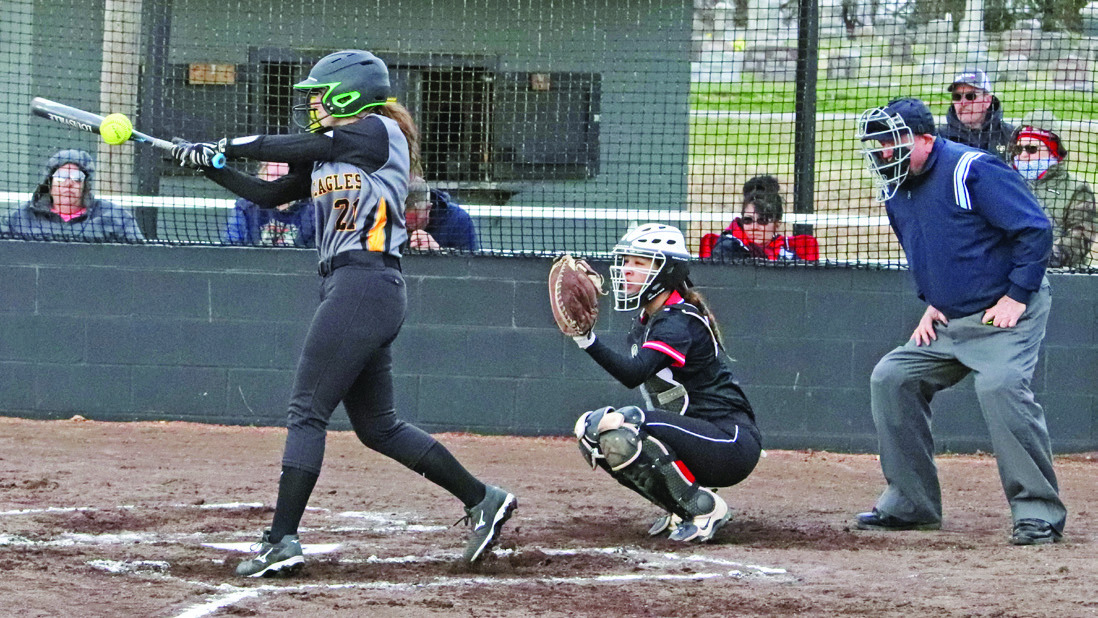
pixel 371 258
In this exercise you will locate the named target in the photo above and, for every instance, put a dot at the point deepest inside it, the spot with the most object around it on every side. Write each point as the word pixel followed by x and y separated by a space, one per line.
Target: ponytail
pixel 400 114
pixel 695 298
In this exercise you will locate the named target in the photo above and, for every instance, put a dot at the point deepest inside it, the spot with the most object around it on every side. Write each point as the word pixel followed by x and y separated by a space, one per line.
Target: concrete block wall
pixel 212 335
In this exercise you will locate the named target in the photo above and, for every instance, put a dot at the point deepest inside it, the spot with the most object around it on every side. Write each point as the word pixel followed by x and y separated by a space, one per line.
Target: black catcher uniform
pixel 697 430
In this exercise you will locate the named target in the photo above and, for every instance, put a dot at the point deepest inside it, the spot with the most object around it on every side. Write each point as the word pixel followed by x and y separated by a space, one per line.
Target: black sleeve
pixel 267 194
pixel 300 148
pixel 364 144
pixel 631 371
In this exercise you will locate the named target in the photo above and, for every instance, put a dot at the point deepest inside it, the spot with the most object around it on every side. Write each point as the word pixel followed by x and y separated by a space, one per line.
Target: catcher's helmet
pixel 670 267
pixel 348 82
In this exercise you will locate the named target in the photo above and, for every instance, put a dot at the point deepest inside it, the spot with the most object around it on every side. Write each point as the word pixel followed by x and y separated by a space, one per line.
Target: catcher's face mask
pixel 648 261
pixel 886 145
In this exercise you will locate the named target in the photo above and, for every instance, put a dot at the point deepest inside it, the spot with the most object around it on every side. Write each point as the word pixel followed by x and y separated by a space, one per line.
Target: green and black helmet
pixel 348 82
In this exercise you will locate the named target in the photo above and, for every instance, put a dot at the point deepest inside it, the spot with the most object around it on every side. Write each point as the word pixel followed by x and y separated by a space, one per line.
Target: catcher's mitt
pixel 574 289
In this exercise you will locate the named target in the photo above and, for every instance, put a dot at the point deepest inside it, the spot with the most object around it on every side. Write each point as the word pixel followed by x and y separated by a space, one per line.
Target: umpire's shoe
pixel 876 520
pixel 703 527
pixel 487 518
pixel 1034 532
pixel 281 558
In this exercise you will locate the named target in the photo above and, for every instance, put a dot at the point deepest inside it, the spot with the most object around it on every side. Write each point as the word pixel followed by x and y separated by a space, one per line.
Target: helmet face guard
pixel 886 145
pixel 668 268
pixel 623 299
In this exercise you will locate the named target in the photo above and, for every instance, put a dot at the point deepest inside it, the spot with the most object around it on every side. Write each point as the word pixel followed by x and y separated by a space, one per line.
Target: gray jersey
pixel 356 174
pixel 359 209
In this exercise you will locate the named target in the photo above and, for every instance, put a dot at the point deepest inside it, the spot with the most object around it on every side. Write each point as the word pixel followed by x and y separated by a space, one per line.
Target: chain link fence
pixel 554 126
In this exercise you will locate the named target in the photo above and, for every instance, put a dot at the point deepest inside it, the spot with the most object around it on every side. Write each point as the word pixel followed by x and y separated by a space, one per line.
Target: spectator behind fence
pixel 435 221
pixel 754 234
pixel 761 184
pixel 63 207
pixel 1040 156
pixel 976 116
pixel 287 225
pixel 977 244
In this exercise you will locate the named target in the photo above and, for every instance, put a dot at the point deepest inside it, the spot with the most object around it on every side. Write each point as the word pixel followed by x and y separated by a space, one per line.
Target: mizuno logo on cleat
pixel 480 524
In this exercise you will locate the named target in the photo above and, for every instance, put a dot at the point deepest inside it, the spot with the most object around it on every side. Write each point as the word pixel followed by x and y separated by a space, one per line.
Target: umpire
pixel 977 244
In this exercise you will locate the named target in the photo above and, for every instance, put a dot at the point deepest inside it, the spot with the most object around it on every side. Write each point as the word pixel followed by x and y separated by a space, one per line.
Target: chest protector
pixel 662 391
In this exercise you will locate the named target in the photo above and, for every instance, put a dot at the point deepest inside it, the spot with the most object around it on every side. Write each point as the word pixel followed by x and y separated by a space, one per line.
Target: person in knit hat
pixel 1040 156
pixel 64 207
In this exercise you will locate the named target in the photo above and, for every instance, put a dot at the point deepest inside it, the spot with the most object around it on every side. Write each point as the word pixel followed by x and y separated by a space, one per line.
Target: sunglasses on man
pixel 749 220
pixel 1028 148
pixel 968 96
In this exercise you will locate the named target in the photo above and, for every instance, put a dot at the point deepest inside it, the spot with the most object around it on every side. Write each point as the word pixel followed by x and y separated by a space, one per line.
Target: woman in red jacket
pixel 754 234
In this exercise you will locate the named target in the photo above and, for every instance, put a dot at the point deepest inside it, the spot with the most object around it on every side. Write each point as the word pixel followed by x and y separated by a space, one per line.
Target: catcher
pixel 696 430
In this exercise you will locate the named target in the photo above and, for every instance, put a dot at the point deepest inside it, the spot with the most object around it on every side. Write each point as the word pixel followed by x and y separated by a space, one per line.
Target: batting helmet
pixel 348 82
pixel 669 270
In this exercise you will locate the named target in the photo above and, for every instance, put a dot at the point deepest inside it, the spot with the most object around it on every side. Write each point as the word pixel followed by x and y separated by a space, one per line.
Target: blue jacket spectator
pixel 435 221
pixel 293 225
pixel 288 225
pixel 63 207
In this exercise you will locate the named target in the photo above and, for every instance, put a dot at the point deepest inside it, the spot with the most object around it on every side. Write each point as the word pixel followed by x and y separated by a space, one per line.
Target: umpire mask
pixel 886 145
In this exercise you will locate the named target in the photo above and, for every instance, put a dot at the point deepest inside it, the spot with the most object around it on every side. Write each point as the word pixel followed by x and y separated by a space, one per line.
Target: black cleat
pixel 487 518
pixel 281 558
pixel 875 520
pixel 1034 532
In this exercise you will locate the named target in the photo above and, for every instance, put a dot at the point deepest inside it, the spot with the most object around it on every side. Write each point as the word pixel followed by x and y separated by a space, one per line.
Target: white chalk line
pixel 739 571
pixel 378 523
pixel 385 522
pixel 77 509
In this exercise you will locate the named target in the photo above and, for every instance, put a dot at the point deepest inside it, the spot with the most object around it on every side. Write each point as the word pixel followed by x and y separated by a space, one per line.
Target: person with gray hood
pixel 63 207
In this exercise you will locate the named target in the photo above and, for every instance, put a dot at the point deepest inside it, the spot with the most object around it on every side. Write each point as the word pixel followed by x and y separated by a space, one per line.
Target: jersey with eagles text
pixel 356 174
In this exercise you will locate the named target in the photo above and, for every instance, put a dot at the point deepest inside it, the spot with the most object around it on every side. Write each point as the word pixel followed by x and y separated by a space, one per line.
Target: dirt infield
pixel 142 519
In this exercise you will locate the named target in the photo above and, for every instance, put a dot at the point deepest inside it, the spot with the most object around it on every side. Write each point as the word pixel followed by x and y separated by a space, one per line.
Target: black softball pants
pixel 347 357
pixel 718 455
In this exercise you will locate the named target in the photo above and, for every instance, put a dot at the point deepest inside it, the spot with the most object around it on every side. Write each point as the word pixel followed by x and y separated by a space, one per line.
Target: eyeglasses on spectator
pixel 968 96
pixel 750 220
pixel 1028 148
pixel 69 174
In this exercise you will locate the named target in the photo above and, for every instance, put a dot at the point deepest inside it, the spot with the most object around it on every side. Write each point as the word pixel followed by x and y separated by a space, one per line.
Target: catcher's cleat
pixel 281 558
pixel 487 518
pixel 668 522
pixel 702 527
pixel 1034 532
pixel 876 520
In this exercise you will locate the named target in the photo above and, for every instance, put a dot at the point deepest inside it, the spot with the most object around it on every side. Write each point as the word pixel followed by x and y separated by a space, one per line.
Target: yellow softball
pixel 116 129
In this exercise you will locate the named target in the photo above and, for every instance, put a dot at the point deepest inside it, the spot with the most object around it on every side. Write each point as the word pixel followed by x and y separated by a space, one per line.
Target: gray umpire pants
pixel 1002 359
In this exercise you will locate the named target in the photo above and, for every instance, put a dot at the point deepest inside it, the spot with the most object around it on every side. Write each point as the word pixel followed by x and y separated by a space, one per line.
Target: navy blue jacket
pixel 971 229
pixel 251 224
pixel 102 221
pixel 450 225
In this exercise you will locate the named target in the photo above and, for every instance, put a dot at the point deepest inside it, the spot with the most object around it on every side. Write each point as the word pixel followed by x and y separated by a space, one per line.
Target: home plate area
pixel 364 551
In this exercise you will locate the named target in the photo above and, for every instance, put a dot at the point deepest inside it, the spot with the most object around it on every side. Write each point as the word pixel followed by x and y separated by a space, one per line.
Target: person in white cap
pixel 976 116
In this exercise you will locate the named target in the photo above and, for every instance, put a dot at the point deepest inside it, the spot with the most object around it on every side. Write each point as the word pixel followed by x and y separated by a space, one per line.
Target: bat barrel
pixel 87 121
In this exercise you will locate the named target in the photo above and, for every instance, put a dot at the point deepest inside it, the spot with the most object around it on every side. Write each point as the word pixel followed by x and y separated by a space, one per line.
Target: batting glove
pixel 200 155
